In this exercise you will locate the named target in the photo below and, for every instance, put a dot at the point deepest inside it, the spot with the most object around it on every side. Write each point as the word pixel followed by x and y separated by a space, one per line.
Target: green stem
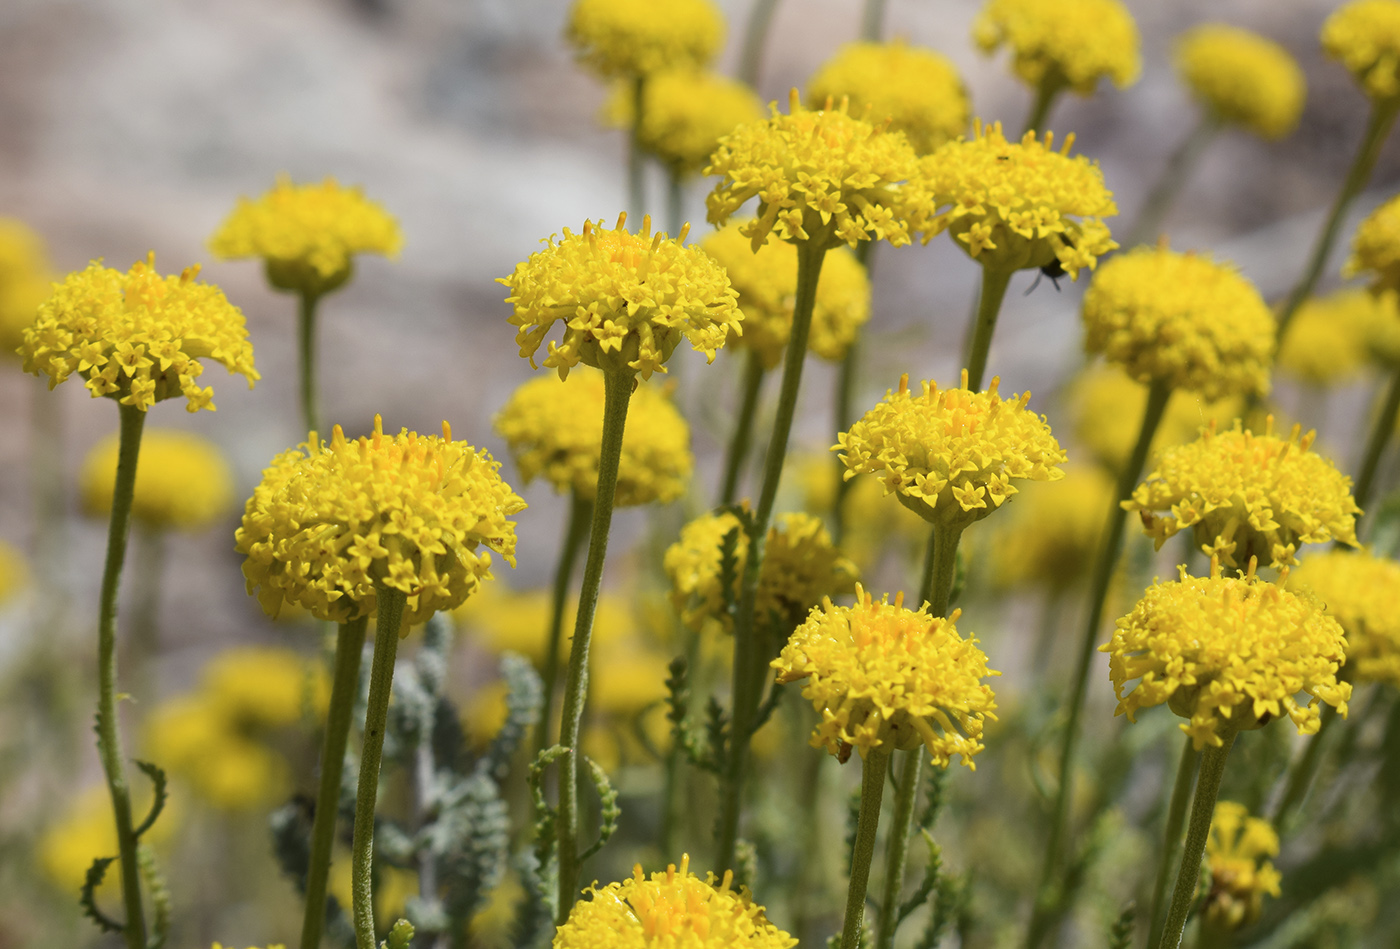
pixel 1179 167
pixel 675 200
pixel 1375 445
pixel 755 36
pixel 1301 775
pixel 845 399
pixel 1171 841
pixel 743 427
pixel 636 157
pixel 1202 812
pixel 994 283
pixel 349 645
pixel 148 545
pixel 109 744
pixel 580 516
pixel 872 789
pixel 306 338
pixel 1046 93
pixel 872 20
pixel 617 392
pixel 1044 910
pixel 381 680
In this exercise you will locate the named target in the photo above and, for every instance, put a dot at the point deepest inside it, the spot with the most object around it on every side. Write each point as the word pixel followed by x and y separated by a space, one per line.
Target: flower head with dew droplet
pixel 1375 249
pixel 880 674
pixel 331 524
pixel 1242 78
pixel 1362 592
pixel 1333 339
pixel 820 175
pixel 1239 876
pixel 183 481
pixel 1067 42
pixel 1247 496
pixel 25 281
pixel 685 113
pixel 629 38
pixel 554 430
pixel 671 908
pixel 950 455
pixel 1364 36
pixel 626 300
pixel 1227 652
pixel 137 337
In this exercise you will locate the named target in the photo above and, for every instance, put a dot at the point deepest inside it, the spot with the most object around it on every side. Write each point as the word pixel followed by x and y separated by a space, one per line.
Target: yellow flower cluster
pixel 137 336
pixel 626 299
pixel 1053 533
pixel 820 175
pixel 87 830
pixel 881 674
pixel 1364 36
pixel 872 524
pixel 684 114
pixel 951 455
pixel 628 38
pixel 183 481
pixel 767 283
pixel 1242 78
pixel 1013 205
pixel 917 90
pixel 1333 338
pixel 674 908
pixel 1227 652
pixel 1180 319
pixel 1376 247
pixel 1067 42
pixel 1362 592
pixel 1239 878
pixel 307 233
pixel 1247 496
pixel 555 429
pixel 24 281
pixel 331 524
pixel 14 574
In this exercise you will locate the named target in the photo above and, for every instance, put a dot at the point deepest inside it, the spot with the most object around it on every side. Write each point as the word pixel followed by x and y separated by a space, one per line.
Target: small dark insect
pixel 1054 270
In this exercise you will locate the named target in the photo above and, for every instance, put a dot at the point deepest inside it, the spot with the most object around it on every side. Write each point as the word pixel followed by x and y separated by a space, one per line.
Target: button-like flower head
pixel 1067 42
pixel 629 38
pixel 1242 78
pixel 1239 876
pixel 684 114
pixel 1375 250
pixel 25 281
pixel 1364 36
pixel 183 481
pixel 1362 592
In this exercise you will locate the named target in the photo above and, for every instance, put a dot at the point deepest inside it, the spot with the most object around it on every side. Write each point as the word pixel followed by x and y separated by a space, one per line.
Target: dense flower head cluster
pixel 820 175
pixel 1227 652
pixel 332 523
pixel 554 430
pixel 1053 533
pixel 137 336
pixel 1362 592
pixel 1016 205
pixel 880 674
pixel 767 283
pixel 1247 496
pixel 950 455
pixel 671 909
pixel 308 233
pixel 1375 250
pixel 917 90
pixel 1364 36
pixel 1332 339
pixel 1242 78
pixel 1180 319
pixel 631 38
pixel 1068 42
pixel 1239 875
pixel 24 281
pixel 626 300
pixel 183 481
pixel 685 112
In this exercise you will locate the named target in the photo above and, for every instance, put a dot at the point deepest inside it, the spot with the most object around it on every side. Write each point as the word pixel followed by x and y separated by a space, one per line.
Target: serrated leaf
pixel 162 794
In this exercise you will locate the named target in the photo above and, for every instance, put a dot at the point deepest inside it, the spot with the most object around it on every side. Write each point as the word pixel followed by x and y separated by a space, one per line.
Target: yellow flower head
pixel 330 524
pixel 1053 532
pixel 1362 592
pixel 1364 36
pixel 137 336
pixel 767 283
pixel 307 234
pixel 627 679
pixel 1181 319
pixel 1242 78
pixel 555 430
pixel 684 114
pixel 24 281
pixel 1332 339
pixel 183 481
pixel 950 455
pixel 1227 652
pixel 671 910
pixel 261 687
pixel 625 299
pixel 1247 496
pixel 86 830
pixel 820 175
pixel 917 90
pixel 629 38
pixel 14 575
pixel 1067 42
pixel 194 739
pixel 1013 205
pixel 1376 247
pixel 1239 878
pixel 873 525
pixel 879 673
pixel 800 566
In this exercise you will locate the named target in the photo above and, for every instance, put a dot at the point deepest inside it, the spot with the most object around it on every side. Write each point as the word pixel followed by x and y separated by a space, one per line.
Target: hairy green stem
pixel 1171 840
pixel 1179 167
pixel 742 438
pixel 1300 775
pixel 580 516
pixel 1202 812
pixel 872 789
pixel 994 283
pixel 306 349
pixel 755 36
pixel 636 156
pixel 1381 432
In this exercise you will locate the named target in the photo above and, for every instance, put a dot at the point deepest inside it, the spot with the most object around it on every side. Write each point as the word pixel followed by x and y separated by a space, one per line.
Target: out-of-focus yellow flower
pixel 684 114
pixel 554 430
pixel 674 908
pixel 1382 326
pixel 193 737
pixel 263 687
pixel 918 91
pixel 628 38
pixel 1376 247
pixel 1247 496
pixel 881 674
pixel 1364 36
pixel 820 176
pixel 627 680
pixel 767 283
pixel 493 925
pixel 1227 652
pixel 330 524
pixel 183 481
pixel 1242 78
pixel 1182 320
pixel 1053 533
pixel 1331 338
pixel 137 336
pixel 393 887
pixel 486 712
pixel 873 524
pixel 506 621
pixel 1239 878
pixel 87 830
pixel 14 573
pixel 1362 592
pixel 1067 42
pixel 25 281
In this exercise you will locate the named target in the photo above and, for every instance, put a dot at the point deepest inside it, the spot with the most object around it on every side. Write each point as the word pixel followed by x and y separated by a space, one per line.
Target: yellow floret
pixel 1375 250
pixel 1364 36
pixel 1242 78
pixel 25 281
pixel 183 481
pixel 1053 534
pixel 1330 340
pixel 1239 878
pixel 684 115
pixel 1362 592
pixel 1064 42
pixel 629 38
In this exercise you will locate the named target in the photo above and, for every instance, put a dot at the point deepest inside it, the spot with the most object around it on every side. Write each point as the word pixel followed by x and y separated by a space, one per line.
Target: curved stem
pixel 1375 445
pixel 756 34
pixel 349 645
pixel 1179 167
pixel 1045 95
pixel 617 392
pixel 872 20
pixel 1171 840
pixel 381 680
pixel 580 516
pixel 743 427
pixel 872 789
pixel 1301 775
pixel 994 283
pixel 306 339
pixel 636 157
pixel 1202 811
